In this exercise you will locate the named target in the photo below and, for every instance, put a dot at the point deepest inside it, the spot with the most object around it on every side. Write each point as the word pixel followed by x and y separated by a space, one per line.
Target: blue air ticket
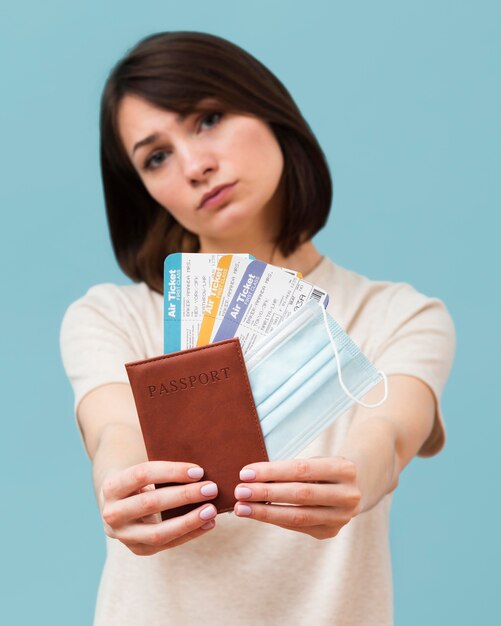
pixel 187 281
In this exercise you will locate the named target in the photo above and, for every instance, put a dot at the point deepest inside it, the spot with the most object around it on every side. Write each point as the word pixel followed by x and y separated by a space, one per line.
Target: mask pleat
pixel 318 410
pixel 304 383
pixel 295 383
pixel 286 331
pixel 285 362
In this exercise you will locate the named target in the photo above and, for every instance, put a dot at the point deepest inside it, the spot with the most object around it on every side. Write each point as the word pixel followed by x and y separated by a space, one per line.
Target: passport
pixel 196 406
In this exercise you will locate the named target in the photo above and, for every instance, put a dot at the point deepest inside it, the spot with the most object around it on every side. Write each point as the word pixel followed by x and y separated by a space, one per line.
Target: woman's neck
pixel 304 259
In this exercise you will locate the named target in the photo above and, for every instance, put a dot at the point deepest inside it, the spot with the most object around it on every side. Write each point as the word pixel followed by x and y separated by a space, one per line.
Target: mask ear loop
pixel 347 392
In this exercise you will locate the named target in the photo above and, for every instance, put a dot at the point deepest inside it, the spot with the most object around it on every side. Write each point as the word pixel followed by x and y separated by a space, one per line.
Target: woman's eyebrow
pixel 144 142
pixel 155 136
pixel 204 105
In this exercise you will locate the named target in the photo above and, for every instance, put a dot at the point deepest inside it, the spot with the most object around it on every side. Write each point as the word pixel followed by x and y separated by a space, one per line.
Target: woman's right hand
pixel 131 505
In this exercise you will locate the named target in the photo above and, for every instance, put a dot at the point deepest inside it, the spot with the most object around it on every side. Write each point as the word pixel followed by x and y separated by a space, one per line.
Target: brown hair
pixel 174 71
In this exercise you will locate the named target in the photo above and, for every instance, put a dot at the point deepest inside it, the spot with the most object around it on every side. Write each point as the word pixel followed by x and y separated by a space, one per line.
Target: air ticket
pixel 265 296
pixel 187 280
pixel 226 279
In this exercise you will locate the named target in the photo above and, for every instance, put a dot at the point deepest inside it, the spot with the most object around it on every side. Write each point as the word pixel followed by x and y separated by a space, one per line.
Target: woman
pixel 181 115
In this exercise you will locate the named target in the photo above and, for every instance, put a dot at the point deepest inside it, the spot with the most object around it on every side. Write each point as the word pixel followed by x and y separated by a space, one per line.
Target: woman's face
pixel 181 160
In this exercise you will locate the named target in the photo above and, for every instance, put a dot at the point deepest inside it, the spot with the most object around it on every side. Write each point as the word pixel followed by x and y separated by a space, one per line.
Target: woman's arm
pixel 327 492
pixel 110 428
pixel 124 479
pixel 120 446
pixel 382 441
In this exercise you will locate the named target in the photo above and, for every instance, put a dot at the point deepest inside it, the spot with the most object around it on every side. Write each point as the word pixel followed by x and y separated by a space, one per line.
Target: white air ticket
pixel 266 296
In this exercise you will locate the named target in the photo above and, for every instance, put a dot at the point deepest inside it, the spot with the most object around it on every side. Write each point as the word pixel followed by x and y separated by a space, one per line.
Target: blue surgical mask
pixel 303 375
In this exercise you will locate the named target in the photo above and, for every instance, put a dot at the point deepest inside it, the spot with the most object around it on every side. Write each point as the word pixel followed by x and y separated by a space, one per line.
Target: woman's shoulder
pixel 379 306
pixel 108 291
pixel 111 306
pixel 112 296
pixel 110 316
pixel 360 288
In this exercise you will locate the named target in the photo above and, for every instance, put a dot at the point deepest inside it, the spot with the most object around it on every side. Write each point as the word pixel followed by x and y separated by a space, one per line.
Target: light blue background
pixel 405 100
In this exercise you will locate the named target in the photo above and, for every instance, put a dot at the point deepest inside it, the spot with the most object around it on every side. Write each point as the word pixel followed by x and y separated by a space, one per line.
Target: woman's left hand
pixel 322 494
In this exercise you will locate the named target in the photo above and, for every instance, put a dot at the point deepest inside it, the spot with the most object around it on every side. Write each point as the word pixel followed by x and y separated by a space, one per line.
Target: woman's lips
pixel 217 198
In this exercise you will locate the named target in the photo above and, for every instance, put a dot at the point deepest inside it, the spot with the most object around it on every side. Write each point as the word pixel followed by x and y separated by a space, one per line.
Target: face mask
pixel 303 375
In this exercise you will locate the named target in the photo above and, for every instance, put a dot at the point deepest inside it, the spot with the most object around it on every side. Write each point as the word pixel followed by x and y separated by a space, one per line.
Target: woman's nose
pixel 196 162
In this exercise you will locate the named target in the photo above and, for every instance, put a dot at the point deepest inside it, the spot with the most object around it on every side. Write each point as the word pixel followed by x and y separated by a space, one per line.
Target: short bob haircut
pixel 174 71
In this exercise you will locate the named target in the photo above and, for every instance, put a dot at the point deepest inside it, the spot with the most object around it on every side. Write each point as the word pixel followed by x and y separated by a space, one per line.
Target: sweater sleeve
pixel 419 339
pixel 95 341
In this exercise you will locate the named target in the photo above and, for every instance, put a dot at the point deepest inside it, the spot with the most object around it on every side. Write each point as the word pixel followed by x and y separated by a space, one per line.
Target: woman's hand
pixel 323 492
pixel 131 505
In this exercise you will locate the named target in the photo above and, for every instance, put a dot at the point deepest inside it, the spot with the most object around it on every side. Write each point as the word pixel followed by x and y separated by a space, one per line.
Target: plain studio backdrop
pixel 405 100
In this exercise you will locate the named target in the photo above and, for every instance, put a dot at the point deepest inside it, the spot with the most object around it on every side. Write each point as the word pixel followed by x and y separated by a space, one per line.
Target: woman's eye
pixel 211 115
pixel 154 160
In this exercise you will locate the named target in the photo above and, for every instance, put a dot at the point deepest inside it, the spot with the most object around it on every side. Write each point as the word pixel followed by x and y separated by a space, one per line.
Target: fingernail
pixel 208 512
pixel 209 490
pixel 247 474
pixel 243 509
pixel 243 492
pixel 195 472
pixel 208 525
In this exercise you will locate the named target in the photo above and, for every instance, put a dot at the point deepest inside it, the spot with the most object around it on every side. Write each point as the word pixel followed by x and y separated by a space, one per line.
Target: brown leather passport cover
pixel 196 405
